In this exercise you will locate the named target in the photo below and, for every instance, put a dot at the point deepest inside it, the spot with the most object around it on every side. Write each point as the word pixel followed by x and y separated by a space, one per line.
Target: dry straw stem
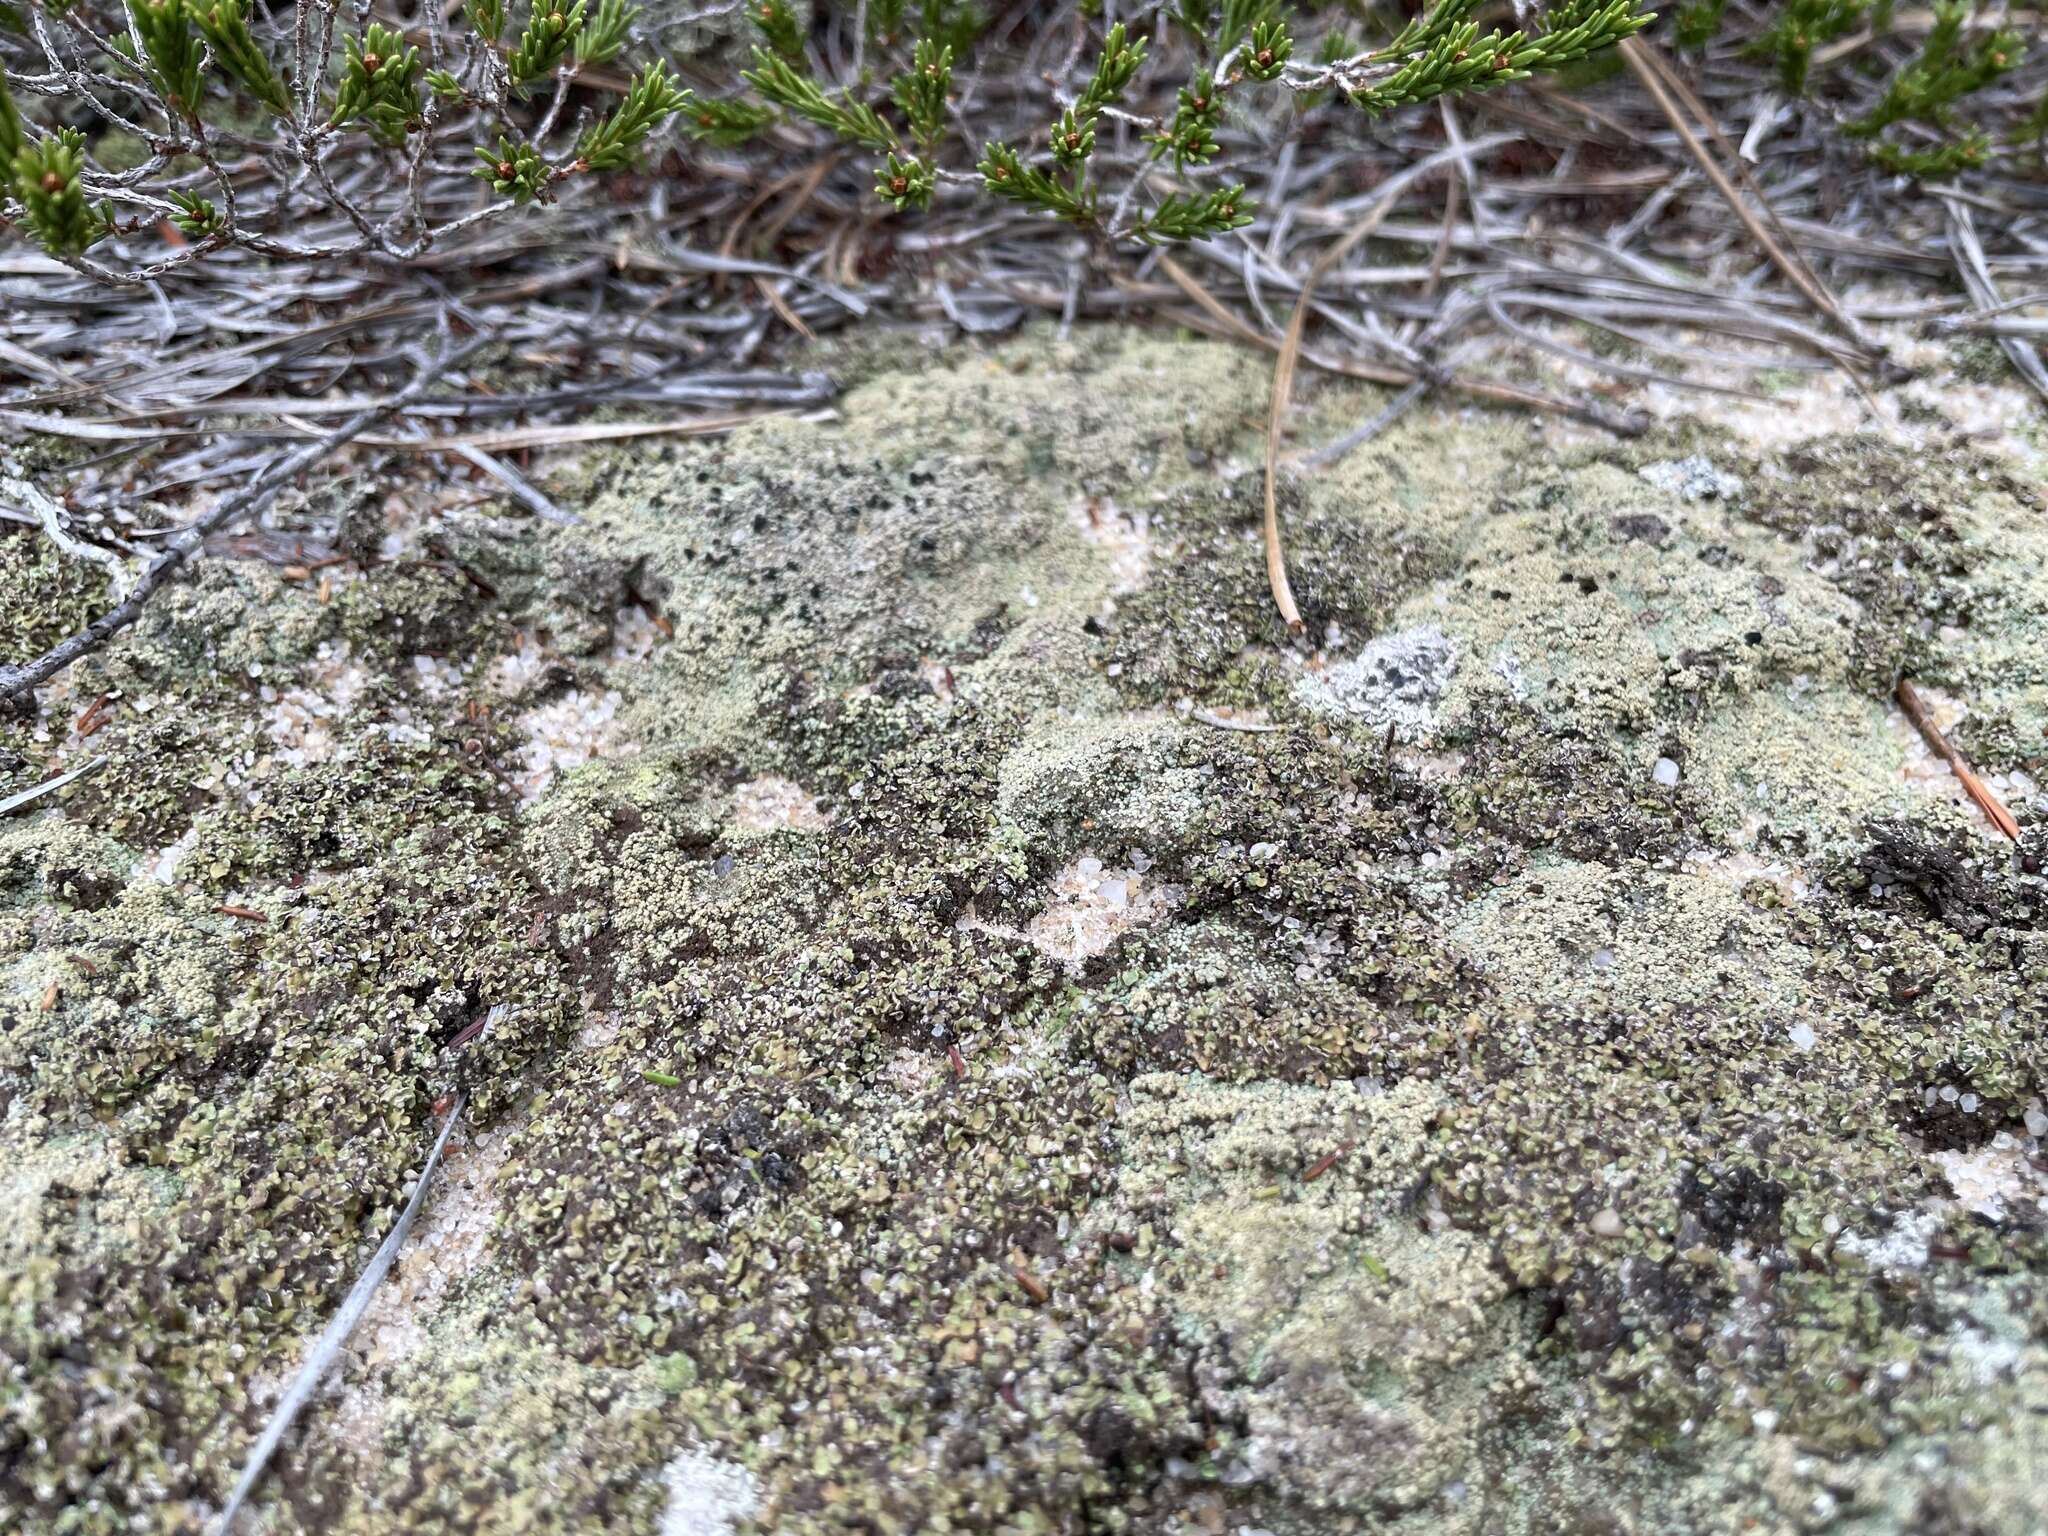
pixel 1663 84
pixel 1290 354
pixel 1917 712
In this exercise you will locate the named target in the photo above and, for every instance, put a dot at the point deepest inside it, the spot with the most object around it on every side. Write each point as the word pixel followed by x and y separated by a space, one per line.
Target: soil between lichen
pixel 1581 1069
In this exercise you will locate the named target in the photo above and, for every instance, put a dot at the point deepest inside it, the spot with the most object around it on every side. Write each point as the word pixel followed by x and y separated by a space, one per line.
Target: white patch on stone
pixel 1903 1247
pixel 1431 767
pixel 436 677
pixel 1989 1358
pixel 1740 865
pixel 771 804
pixel 567 732
pixel 1088 907
pixel 938 677
pixel 1395 680
pixel 521 667
pixel 447 1243
pixel 706 1496
pixel 162 866
pixel 1125 536
pixel 401 730
pixel 1993 1180
pixel 301 721
pixel 1508 667
pixel 634 634
pixel 599 1030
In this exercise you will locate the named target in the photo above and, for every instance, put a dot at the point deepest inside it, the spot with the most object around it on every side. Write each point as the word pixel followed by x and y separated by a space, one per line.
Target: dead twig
pixel 336 1333
pixel 16 682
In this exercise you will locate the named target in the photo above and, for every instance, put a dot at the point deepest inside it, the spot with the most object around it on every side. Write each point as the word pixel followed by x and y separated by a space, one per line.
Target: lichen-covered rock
pixel 967 1025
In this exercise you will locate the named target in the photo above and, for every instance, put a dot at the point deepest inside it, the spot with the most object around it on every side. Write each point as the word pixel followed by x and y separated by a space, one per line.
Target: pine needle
pixel 1290 354
pixel 1917 712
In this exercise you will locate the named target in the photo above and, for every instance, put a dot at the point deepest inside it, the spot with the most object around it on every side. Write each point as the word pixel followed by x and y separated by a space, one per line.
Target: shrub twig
pixel 325 1348
pixel 18 681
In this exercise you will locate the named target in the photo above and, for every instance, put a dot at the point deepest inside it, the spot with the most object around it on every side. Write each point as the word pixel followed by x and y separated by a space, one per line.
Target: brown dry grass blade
pixel 1923 721
pixel 1664 86
pixel 781 307
pixel 1290 356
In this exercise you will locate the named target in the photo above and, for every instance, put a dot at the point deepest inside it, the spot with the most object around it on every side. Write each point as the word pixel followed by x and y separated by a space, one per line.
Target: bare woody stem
pixel 17 682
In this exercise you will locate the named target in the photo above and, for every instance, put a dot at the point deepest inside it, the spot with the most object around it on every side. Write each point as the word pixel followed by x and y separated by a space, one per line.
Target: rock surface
pixel 1001 1039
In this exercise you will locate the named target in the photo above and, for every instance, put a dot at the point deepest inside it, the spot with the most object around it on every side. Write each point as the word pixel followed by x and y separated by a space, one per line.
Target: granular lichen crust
pixel 969 1026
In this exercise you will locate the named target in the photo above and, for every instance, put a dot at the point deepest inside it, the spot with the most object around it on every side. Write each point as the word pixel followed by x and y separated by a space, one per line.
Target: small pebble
pixel 1665 772
pixel 1606 1222
pixel 2037 1123
pixel 1803 1037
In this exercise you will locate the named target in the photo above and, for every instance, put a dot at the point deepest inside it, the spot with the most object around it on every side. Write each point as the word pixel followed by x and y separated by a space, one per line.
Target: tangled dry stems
pixel 1599 208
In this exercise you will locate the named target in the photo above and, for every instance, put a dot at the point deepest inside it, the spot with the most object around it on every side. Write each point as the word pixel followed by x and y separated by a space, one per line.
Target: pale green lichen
pixel 44 594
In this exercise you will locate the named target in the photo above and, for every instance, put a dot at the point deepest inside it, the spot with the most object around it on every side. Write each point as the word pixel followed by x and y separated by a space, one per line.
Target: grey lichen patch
pixel 951 1079
pixel 1716 667
pixel 1582 937
pixel 919 544
pixel 1694 477
pixel 1359 538
pixel 1395 681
